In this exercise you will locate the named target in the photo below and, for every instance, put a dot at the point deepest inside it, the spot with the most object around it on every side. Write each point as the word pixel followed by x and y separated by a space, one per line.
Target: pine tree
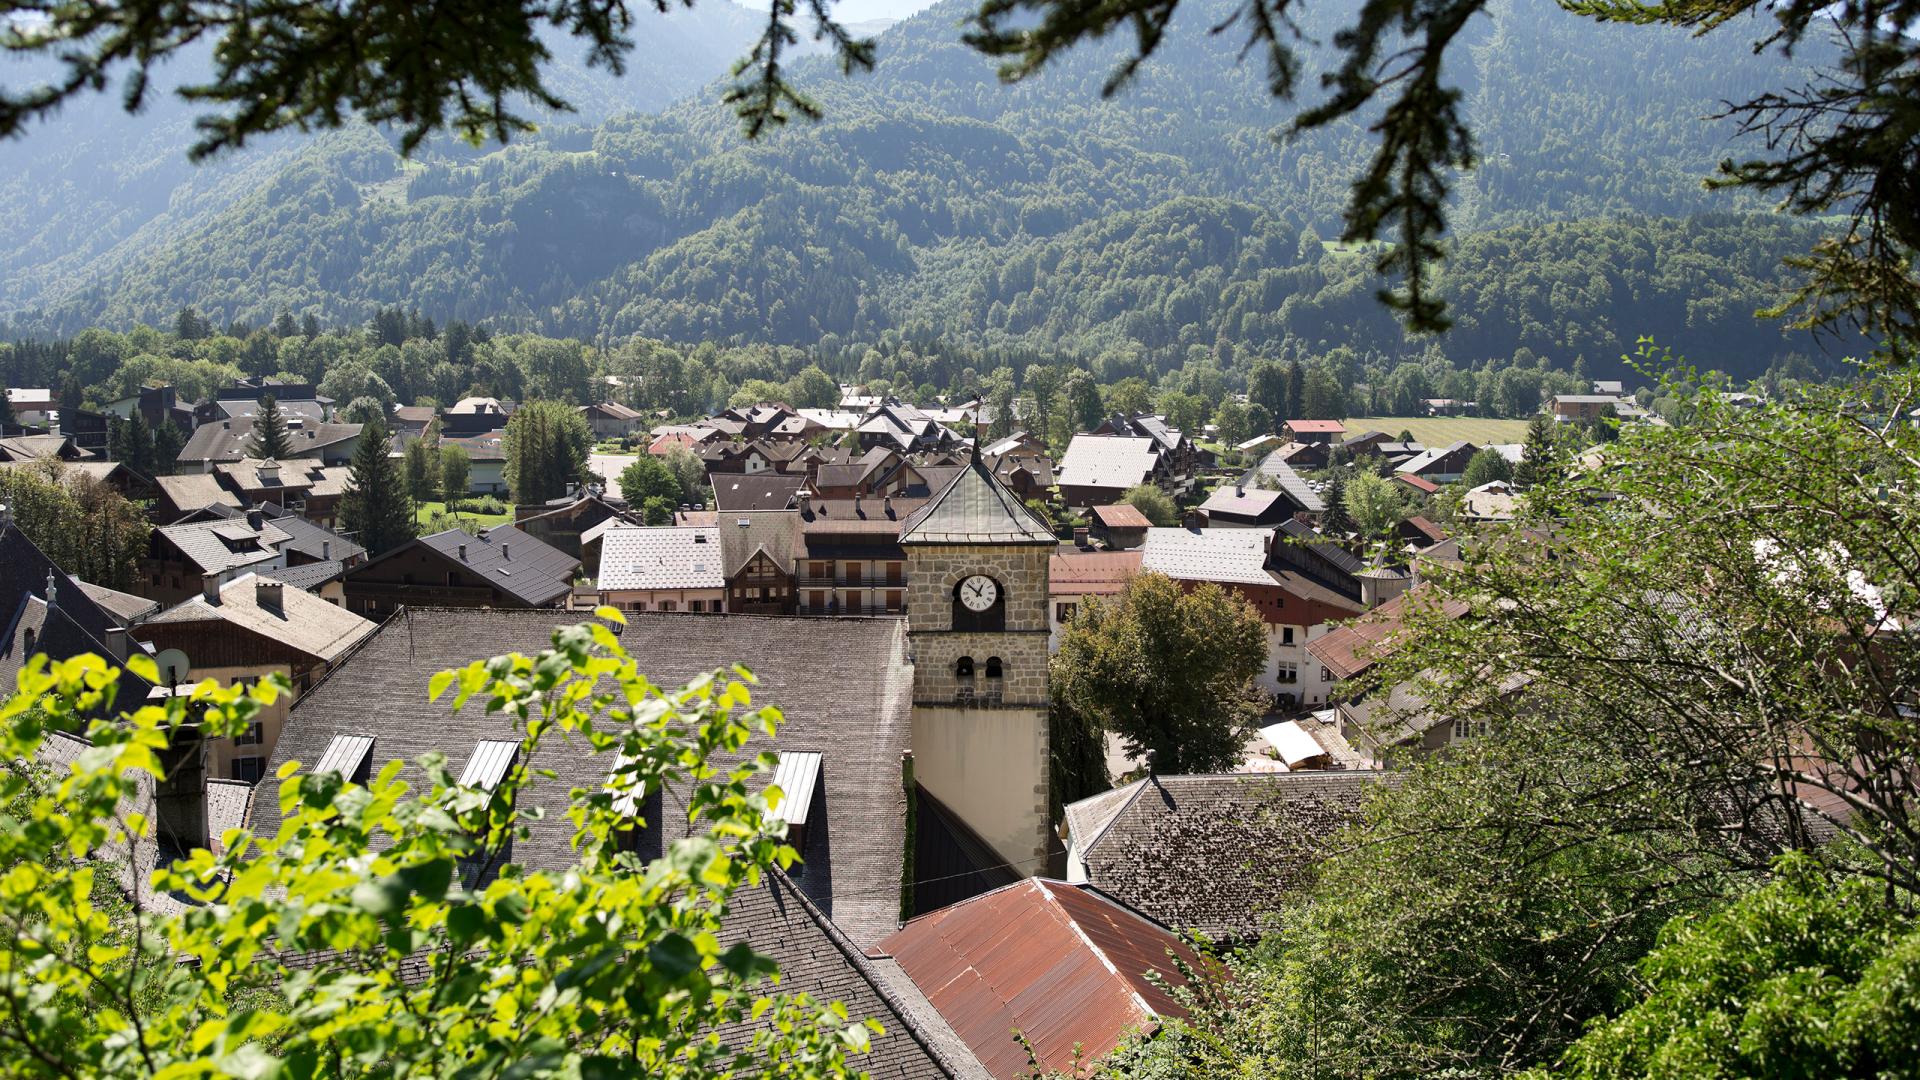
pixel 378 511
pixel 1536 457
pixel 167 444
pixel 1334 521
pixel 270 439
pixel 6 405
pixel 1296 393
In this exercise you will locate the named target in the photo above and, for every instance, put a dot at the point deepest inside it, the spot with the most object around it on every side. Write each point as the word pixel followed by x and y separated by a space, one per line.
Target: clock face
pixel 978 592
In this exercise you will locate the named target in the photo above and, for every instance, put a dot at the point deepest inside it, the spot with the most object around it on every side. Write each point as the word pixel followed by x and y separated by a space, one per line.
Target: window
pixel 994 670
pixel 816 601
pixel 669 605
pixel 1326 675
pixel 1064 611
pixel 1469 729
pixel 255 735
pixel 248 769
pixel 635 605
pixel 896 573
pixel 1288 673
pixel 818 571
pixel 893 600
pixel 696 605
pixel 853 603
pixel 453 577
pixel 1286 635
pixel 963 668
pixel 854 573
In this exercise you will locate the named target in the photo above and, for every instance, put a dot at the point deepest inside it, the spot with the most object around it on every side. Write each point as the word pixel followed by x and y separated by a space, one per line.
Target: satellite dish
pixel 173 666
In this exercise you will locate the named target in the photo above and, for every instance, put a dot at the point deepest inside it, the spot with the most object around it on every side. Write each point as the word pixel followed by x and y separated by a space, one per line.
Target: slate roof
pixel 1275 468
pixel 844 686
pixel 975 507
pixel 1247 502
pixel 661 558
pixel 776 532
pixel 123 608
pixel 1109 461
pixel 508 559
pixel 310 539
pixel 227 440
pixel 1228 556
pixel 72 625
pixel 1216 852
pixel 308 576
pixel 760 491
pixel 1341 650
pixel 1059 963
pixel 191 491
pixel 481 446
pixel 1427 459
pixel 300 621
pixel 222 543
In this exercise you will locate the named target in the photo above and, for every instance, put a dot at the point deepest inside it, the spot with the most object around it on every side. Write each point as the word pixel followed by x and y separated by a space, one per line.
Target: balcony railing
pixel 853 609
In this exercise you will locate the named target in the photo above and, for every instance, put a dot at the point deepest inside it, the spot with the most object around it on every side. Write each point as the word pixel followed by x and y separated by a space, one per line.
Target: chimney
pixel 1240 488
pixel 53 590
pixel 119 643
pixel 856 502
pixel 255 519
pixel 806 501
pixel 504 553
pixel 1082 539
pixel 463 553
pixel 210 588
pixel 326 550
pixel 886 503
pixel 266 594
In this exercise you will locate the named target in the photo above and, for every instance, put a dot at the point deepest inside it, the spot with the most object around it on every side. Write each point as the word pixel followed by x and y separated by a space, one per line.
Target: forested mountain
pixel 935 201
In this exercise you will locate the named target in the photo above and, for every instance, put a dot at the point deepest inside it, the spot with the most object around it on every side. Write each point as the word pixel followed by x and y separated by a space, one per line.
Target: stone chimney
pixel 463 553
pixel 210 588
pixel 53 590
pixel 266 594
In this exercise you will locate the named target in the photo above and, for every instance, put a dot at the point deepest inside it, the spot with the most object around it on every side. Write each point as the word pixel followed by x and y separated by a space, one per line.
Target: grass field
pixel 427 511
pixel 1441 430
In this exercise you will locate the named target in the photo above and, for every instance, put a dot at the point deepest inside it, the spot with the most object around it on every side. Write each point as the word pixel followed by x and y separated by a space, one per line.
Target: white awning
pixel 796 776
pixel 489 764
pixel 1292 743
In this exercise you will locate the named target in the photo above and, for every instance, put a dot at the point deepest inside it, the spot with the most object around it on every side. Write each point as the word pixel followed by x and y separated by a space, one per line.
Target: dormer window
pixel 351 756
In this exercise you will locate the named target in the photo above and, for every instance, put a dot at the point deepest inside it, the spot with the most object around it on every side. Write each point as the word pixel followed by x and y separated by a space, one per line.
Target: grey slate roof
pixel 509 560
pixel 313 540
pixel 667 557
pixel 974 507
pixel 222 543
pixel 308 576
pixel 123 608
pixel 1216 852
pixel 191 491
pixel 761 491
pixel 776 532
pixel 844 686
pixel 215 442
pixel 1275 469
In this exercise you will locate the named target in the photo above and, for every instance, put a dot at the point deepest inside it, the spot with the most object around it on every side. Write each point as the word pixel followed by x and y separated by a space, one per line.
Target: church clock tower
pixel 977 619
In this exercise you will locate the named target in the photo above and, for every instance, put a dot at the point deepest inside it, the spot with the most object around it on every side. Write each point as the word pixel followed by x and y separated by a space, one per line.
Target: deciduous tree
pixel 1170 670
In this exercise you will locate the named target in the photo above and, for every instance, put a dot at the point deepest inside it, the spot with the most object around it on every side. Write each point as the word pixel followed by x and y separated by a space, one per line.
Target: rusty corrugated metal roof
pixel 1061 964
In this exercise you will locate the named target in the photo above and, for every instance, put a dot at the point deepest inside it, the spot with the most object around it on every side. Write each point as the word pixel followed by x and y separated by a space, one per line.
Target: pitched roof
pixel 1418 483
pixel 308 576
pixel 760 491
pixel 666 557
pixel 742 536
pixel 124 608
pixel 311 539
pixel 227 440
pixel 974 508
pixel 1348 650
pixel 1109 461
pixel 508 559
pixel 219 544
pixel 1072 572
pixel 290 616
pixel 1121 516
pixel 1427 459
pixel 844 687
pixel 1228 556
pixel 1217 852
pixel 1333 427
pixel 1275 468
pixel 1242 501
pixel 1062 965
pixel 191 491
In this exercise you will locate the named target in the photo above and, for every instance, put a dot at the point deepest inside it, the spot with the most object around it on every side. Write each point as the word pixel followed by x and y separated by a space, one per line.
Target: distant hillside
pixel 936 201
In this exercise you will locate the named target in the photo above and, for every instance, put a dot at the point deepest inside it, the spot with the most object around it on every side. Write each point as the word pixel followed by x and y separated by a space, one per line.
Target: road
pixel 609 467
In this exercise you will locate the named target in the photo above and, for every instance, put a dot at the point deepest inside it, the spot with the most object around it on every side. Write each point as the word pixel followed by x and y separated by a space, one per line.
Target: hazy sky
pixel 857 10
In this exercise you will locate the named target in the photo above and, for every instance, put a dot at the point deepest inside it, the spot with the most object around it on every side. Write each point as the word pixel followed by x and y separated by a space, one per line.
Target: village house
pixel 231 440
pixel 1097 470
pixel 612 420
pixel 242 631
pixel 662 569
pixel 1076 575
pixel 1439 465
pixel 850 561
pixel 500 567
pixel 1299 589
pixel 758 552
pixel 1181 459
pixel 1320 432
pixel 487 451
pixel 1119 526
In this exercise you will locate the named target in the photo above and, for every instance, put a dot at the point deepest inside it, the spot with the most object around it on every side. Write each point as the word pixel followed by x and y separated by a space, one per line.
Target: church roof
pixel 975 508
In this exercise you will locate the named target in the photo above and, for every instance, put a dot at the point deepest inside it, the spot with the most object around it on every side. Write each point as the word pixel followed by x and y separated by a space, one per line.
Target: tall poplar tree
pixel 378 510
pixel 270 438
